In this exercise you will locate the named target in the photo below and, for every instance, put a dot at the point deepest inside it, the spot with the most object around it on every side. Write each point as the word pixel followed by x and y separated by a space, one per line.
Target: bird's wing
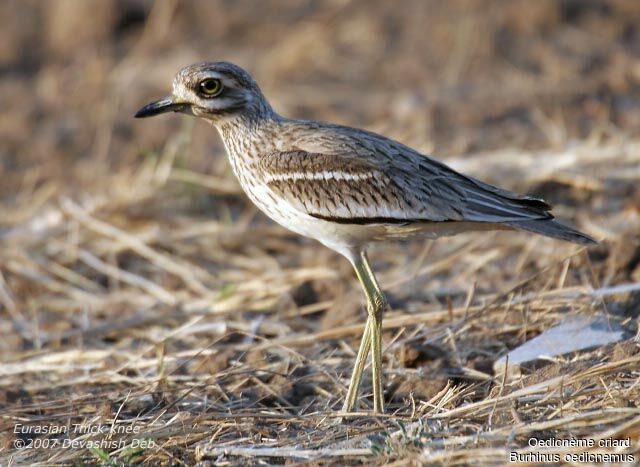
pixel 352 188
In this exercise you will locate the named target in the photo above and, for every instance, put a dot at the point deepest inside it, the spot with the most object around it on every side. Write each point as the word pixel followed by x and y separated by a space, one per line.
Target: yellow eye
pixel 210 87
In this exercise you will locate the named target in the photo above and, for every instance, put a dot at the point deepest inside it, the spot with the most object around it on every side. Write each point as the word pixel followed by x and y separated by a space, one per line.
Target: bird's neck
pixel 246 138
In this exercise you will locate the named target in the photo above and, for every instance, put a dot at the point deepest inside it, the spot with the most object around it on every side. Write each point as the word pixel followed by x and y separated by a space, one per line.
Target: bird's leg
pixel 375 307
pixel 356 375
pixel 371 339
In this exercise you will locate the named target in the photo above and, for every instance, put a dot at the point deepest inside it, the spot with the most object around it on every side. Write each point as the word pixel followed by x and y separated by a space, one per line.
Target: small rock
pixel 574 334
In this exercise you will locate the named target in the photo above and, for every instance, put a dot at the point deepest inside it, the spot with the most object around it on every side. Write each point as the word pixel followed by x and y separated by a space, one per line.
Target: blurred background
pixel 129 256
pixel 449 77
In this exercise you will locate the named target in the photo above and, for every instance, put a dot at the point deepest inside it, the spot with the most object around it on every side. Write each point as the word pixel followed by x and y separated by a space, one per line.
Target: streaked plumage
pixel 344 186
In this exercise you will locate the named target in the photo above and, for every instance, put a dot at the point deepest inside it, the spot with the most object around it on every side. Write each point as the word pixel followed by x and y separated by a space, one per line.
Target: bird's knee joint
pixel 377 305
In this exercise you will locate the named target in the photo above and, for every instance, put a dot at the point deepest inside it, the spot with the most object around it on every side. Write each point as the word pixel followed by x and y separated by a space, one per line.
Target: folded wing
pixel 352 188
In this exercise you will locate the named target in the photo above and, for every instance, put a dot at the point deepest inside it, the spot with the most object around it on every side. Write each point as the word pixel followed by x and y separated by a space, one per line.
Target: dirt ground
pixel 150 314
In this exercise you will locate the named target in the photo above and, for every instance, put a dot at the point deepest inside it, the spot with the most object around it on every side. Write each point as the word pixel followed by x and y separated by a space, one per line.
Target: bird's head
pixel 215 91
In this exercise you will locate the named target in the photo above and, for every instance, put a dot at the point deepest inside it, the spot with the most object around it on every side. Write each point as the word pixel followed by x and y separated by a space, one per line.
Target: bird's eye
pixel 210 87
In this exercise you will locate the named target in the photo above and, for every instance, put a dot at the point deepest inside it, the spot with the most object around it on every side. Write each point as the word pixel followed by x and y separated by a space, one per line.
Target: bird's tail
pixel 554 229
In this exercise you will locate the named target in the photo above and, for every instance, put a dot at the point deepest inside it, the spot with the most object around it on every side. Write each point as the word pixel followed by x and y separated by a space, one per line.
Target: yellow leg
pixel 356 375
pixel 371 339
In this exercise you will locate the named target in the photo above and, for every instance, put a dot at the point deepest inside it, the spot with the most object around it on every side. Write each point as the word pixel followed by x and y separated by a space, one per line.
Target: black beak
pixel 164 105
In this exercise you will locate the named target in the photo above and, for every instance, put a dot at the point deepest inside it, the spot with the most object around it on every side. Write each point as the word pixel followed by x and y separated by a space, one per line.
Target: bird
pixel 346 187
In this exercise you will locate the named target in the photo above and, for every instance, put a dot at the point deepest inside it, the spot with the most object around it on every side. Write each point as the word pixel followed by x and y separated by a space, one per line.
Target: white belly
pixel 346 239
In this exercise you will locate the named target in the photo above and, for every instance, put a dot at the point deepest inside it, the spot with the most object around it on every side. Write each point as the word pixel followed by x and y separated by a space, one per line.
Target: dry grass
pixel 140 290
